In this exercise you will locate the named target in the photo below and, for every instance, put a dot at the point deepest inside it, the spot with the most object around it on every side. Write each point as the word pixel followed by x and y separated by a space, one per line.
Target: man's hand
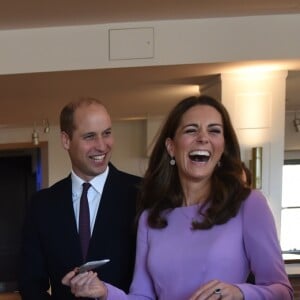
pixel 86 284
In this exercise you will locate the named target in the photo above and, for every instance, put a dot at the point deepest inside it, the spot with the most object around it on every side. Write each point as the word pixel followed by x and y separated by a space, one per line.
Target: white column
pixel 256 103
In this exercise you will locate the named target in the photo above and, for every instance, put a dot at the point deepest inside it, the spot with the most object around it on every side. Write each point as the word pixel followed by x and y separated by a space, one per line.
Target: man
pixel 51 246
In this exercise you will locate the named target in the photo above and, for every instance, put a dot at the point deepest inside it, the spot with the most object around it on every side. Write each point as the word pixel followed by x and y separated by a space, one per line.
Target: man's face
pixel 91 145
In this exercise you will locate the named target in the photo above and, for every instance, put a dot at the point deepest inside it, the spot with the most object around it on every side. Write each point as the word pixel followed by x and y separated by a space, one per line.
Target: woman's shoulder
pixel 256 202
pixel 256 195
pixel 144 217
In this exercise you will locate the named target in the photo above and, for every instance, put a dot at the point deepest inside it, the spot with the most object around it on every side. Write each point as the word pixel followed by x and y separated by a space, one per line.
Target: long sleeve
pixel 263 251
pixel 50 244
pixel 141 287
pixel 173 262
pixel 33 278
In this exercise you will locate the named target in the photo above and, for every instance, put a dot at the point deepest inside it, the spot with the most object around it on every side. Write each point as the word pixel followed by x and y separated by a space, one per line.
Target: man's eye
pixel 107 133
pixel 89 137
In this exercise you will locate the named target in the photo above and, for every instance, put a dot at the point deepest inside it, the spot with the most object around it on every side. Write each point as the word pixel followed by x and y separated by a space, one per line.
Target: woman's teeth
pixel 199 155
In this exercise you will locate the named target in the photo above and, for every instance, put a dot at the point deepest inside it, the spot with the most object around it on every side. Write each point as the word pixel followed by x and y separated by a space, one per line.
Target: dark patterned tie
pixel 84 220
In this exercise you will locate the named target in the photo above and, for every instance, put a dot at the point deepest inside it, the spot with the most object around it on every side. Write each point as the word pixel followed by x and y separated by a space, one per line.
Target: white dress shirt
pixel 94 195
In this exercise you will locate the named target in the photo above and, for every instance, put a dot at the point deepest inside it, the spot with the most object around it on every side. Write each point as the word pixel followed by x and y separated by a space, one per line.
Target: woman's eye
pixel 215 130
pixel 190 130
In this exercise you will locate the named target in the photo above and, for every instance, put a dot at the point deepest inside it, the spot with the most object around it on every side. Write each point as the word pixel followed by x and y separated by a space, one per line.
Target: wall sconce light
pixel 256 167
pixel 46 126
pixel 35 134
pixel 35 137
pixel 297 123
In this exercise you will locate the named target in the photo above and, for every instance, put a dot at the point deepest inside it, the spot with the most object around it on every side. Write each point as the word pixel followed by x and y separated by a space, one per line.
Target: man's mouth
pixel 98 158
pixel 199 155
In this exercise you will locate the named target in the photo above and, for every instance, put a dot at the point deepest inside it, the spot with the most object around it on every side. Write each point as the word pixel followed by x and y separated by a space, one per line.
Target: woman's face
pixel 198 143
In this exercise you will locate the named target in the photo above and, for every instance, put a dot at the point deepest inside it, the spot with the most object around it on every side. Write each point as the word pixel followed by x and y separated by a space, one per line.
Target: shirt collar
pixel 97 182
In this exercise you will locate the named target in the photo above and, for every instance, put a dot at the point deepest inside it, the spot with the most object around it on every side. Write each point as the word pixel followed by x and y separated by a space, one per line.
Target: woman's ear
pixel 170 146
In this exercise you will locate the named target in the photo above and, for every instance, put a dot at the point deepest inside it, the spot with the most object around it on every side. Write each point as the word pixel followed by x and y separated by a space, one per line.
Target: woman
pixel 202 229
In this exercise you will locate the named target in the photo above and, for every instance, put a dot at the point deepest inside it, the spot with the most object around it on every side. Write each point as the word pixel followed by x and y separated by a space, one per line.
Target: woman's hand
pixel 215 290
pixel 85 285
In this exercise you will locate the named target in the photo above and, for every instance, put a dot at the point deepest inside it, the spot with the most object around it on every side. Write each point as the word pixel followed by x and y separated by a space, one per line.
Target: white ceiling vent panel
pixel 131 43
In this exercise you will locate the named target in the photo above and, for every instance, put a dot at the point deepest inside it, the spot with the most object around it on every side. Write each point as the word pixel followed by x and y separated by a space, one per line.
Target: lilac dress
pixel 172 263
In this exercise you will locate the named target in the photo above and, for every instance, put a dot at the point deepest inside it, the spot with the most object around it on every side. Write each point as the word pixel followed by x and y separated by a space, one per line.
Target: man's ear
pixel 65 140
pixel 170 146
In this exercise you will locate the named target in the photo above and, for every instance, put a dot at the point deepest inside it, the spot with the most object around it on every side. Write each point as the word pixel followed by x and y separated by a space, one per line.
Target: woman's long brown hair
pixel 161 189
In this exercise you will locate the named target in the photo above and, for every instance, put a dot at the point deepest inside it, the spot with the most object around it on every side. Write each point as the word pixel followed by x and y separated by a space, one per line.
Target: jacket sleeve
pixel 33 277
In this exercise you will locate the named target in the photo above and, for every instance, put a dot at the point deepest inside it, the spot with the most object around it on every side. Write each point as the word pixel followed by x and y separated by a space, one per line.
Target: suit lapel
pixel 65 217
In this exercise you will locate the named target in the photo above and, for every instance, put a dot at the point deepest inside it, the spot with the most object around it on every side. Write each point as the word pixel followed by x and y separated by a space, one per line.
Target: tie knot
pixel 85 187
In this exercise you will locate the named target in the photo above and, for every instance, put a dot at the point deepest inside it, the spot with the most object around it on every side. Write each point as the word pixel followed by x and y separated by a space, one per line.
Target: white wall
pixel 175 42
pixel 256 103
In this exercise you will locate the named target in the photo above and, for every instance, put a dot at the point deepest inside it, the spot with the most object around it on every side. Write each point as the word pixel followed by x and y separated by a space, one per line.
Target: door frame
pixel 43 146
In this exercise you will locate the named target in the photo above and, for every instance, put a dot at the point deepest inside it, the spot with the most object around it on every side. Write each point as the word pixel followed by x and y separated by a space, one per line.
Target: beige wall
pixel 10 296
pixel 129 152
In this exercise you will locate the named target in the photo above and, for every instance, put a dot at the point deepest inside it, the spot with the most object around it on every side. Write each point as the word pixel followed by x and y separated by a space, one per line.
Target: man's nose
pixel 100 144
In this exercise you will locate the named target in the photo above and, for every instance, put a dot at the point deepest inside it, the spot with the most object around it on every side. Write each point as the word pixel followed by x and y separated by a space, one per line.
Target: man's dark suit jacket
pixel 51 245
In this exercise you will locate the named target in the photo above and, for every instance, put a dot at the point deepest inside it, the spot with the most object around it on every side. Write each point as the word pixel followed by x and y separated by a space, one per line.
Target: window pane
pixel 291 186
pixel 290 217
pixel 290 224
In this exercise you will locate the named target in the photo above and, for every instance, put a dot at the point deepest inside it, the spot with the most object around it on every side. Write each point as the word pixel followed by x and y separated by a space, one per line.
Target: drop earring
pixel 172 161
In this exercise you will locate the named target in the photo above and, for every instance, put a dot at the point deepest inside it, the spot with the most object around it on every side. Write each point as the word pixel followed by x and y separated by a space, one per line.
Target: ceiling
pixel 41 95
pixel 36 13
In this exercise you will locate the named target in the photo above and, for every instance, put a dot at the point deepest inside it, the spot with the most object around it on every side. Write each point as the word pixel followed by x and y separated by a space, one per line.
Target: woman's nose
pixel 202 137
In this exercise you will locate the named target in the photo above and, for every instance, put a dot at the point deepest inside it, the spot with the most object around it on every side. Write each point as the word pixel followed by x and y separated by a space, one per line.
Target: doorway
pixel 21 175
